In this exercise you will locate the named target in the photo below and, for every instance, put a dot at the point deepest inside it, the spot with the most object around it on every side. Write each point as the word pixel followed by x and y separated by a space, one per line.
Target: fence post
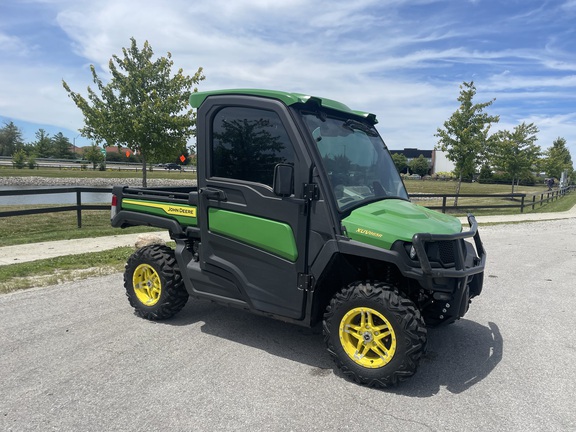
pixel 522 204
pixel 444 204
pixel 79 208
pixel 533 201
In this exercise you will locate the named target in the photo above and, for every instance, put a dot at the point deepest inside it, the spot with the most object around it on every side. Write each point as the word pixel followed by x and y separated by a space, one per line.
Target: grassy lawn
pixel 465 203
pixel 157 173
pixel 58 226
pixel 56 270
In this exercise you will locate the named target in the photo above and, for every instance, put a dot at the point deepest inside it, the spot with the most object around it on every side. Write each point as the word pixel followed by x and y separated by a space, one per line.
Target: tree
pixel 93 154
pixel 10 139
pixel 61 147
pixel 400 161
pixel 143 107
pixel 19 159
pixel 557 159
pixel 516 152
pixel 420 165
pixel 465 134
pixel 43 144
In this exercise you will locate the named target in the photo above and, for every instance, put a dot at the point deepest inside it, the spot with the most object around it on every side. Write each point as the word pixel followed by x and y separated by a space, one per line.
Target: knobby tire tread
pixel 174 295
pixel 413 331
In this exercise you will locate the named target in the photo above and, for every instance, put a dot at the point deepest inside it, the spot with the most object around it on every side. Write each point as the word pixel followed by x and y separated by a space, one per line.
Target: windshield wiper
pixel 353 124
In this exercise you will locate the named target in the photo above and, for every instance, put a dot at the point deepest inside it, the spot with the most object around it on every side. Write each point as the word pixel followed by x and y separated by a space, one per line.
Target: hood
pixel 383 222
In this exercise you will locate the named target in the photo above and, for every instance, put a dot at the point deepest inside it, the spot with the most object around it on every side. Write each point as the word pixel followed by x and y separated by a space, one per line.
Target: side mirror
pixel 283 180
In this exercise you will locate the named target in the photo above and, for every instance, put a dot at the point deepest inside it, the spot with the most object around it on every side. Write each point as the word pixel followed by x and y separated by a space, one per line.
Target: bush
pixel 19 159
pixel 32 162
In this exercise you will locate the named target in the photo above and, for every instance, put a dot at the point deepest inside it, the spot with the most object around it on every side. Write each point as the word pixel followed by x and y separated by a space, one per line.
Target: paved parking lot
pixel 74 357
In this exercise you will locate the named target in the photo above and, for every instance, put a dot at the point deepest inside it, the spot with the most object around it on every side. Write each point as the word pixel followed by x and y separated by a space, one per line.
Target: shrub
pixel 32 162
pixel 19 159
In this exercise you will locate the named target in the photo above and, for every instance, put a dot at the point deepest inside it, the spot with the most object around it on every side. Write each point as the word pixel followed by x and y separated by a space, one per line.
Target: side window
pixel 247 144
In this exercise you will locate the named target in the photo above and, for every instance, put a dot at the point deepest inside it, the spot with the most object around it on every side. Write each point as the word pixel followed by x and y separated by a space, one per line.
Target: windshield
pixel 356 160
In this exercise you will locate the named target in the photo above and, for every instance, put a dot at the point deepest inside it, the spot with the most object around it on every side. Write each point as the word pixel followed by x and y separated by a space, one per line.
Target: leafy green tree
pixel 94 155
pixel 61 147
pixel 485 173
pixel 32 161
pixel 10 139
pixel 19 159
pixel 464 137
pixel 557 159
pixel 144 106
pixel 420 165
pixel 400 161
pixel 43 144
pixel 516 152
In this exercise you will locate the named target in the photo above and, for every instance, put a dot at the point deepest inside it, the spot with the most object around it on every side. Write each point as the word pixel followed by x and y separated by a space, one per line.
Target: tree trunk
pixel 457 190
pixel 513 181
pixel 144 184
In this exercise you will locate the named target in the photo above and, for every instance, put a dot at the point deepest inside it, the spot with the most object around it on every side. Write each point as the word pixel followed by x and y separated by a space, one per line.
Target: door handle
pixel 213 194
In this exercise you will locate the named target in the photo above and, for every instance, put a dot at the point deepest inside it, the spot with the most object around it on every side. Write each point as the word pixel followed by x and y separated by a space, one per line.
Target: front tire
pixel 375 336
pixel 153 283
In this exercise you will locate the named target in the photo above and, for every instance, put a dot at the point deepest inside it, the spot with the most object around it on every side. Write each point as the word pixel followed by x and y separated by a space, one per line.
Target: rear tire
pixel 154 284
pixel 375 336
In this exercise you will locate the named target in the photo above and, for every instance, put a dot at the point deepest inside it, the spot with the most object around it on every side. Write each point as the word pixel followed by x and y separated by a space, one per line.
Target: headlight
pixel 411 251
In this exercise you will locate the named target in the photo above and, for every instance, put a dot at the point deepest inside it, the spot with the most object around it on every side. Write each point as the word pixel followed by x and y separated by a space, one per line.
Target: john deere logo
pixel 185 211
pixel 368 232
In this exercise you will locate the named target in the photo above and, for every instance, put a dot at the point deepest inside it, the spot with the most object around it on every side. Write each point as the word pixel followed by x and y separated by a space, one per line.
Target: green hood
pixel 382 223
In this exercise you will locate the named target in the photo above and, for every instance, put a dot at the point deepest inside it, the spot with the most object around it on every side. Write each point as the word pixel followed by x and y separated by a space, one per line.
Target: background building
pixel 436 158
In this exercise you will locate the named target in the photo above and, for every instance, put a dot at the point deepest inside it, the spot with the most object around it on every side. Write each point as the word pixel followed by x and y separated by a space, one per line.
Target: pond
pixel 57 198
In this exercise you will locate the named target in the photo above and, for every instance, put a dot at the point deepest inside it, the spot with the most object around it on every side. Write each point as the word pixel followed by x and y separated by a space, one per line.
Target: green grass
pixel 56 270
pixel 58 226
pixel 560 205
pixel 449 187
pixel 158 173
pixel 464 203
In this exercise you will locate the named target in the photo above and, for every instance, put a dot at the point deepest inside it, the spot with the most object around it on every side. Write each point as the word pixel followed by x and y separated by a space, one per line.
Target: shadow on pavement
pixel 458 356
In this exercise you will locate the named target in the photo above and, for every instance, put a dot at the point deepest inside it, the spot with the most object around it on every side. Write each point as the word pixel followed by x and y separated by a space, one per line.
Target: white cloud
pixel 375 56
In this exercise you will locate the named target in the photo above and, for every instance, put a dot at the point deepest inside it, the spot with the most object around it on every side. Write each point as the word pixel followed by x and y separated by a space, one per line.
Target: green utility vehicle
pixel 299 214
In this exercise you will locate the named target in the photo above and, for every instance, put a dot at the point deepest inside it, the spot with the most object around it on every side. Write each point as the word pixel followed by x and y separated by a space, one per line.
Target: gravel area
pixel 92 182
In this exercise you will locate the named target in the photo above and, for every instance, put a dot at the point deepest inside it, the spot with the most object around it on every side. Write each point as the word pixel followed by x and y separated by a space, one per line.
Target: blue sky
pixel 403 60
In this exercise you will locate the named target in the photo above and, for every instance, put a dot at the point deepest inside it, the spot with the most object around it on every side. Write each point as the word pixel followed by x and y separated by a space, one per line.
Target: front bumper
pixel 450 287
pixel 462 266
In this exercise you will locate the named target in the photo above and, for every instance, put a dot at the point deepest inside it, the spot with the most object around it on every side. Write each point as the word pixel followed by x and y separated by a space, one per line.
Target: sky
pixel 403 60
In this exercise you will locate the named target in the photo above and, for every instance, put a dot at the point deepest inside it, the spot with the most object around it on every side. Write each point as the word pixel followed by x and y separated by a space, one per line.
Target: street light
pixel 74 143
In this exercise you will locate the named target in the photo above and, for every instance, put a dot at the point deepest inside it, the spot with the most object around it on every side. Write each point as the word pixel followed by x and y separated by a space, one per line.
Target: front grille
pixel 443 252
pixel 446 252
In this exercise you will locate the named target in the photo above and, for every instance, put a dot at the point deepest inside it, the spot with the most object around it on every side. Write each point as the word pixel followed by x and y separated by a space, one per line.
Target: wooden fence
pixel 78 207
pixel 522 200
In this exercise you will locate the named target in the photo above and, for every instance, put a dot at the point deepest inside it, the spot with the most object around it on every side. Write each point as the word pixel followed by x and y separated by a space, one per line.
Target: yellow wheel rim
pixel 147 285
pixel 367 337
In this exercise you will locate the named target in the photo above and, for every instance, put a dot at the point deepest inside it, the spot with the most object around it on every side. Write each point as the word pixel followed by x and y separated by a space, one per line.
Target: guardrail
pixel 78 207
pixel 544 197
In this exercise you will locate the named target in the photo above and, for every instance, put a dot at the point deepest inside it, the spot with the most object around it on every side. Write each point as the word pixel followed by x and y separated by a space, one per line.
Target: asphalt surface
pixel 74 357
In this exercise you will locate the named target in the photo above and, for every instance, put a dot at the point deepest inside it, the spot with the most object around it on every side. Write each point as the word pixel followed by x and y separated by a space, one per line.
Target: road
pixel 73 357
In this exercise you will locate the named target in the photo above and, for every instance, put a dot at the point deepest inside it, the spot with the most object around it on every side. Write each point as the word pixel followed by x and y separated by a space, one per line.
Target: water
pixel 60 198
